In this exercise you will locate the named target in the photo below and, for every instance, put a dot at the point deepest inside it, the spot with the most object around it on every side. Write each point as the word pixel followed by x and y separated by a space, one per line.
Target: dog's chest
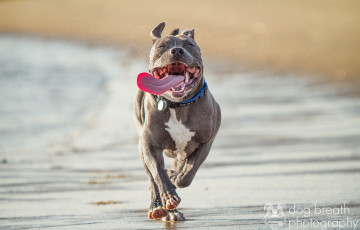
pixel 180 134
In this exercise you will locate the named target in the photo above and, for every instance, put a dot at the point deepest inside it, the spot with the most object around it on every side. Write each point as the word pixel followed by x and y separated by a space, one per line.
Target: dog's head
pixel 176 54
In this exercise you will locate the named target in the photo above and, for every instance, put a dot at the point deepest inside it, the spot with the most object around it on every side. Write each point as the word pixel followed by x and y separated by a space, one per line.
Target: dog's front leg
pixel 191 165
pixel 154 162
pixel 156 210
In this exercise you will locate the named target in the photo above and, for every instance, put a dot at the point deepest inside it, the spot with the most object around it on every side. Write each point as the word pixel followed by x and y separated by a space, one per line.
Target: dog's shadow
pixel 170 224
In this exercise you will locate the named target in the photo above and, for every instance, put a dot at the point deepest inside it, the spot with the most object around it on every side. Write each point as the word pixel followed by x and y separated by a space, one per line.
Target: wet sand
pixel 69 147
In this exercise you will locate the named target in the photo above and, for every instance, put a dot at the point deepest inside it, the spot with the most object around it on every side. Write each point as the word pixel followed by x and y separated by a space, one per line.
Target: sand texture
pixel 308 37
pixel 69 156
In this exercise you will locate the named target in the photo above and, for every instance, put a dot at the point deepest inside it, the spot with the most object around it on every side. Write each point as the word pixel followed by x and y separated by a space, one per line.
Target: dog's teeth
pixel 187 77
pixel 196 72
pixel 156 75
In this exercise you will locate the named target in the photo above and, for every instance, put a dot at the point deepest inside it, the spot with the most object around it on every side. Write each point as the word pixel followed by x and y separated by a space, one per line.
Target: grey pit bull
pixel 181 123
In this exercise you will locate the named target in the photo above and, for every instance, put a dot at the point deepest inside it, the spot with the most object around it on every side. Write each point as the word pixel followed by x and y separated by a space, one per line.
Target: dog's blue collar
pixel 197 95
pixel 162 102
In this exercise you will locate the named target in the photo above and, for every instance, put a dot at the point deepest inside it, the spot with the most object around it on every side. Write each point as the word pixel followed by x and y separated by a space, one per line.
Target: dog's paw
pixel 171 201
pixel 157 213
pixel 173 215
pixel 172 175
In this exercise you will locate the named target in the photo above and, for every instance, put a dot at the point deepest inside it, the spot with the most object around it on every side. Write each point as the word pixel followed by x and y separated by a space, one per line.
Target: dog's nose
pixel 177 51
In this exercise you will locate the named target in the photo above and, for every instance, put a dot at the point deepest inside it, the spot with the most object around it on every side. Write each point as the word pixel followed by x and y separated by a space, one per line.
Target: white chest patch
pixel 178 132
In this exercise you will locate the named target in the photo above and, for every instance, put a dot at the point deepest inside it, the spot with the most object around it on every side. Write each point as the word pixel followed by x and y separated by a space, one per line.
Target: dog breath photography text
pixel 314 216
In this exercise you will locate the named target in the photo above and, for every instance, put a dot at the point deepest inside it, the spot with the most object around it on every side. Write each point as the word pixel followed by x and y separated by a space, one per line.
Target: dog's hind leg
pixel 176 166
pixel 191 165
pixel 173 215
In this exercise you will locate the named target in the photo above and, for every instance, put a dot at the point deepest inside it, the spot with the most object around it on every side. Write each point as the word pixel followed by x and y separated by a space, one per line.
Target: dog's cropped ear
pixel 155 34
pixel 189 33
pixel 175 32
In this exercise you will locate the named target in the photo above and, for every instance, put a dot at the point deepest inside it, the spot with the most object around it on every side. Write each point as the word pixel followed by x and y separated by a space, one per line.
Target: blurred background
pixel 313 37
pixel 285 73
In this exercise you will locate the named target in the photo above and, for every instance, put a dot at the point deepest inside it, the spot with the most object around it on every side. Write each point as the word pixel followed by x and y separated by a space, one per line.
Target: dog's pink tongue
pixel 146 82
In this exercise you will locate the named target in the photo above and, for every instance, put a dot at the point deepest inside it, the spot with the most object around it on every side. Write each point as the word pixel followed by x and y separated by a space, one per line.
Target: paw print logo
pixel 275 215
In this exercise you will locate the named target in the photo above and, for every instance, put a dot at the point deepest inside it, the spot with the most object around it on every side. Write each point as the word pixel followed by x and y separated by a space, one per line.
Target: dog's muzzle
pixel 178 68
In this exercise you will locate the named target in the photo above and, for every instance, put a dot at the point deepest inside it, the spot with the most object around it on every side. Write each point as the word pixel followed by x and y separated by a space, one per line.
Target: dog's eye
pixel 190 45
pixel 162 46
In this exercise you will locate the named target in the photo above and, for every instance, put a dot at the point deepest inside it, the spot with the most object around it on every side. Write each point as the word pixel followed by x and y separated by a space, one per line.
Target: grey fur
pixel 202 117
pixel 155 34
pixel 190 33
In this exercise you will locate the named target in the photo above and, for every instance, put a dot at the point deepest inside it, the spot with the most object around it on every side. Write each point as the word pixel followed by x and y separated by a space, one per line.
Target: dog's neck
pixel 201 91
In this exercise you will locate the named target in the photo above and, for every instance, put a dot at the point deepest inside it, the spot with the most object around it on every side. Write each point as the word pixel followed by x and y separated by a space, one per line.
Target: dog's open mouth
pixel 179 68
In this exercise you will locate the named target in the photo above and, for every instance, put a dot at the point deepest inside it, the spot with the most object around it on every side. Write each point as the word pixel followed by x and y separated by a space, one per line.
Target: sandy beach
pixel 289 140
pixel 69 150
pixel 304 37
